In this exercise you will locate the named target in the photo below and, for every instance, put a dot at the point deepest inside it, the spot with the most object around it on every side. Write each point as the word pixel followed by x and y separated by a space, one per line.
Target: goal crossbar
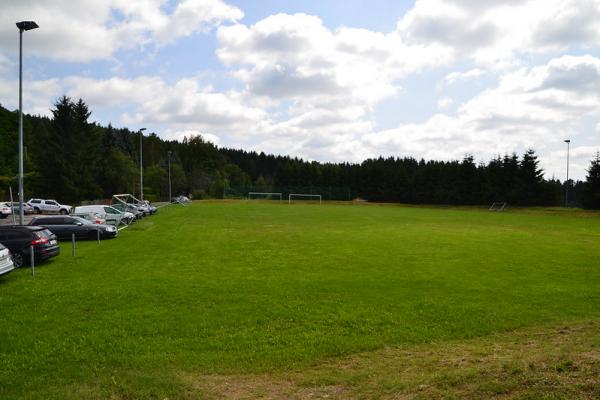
pixel 250 194
pixel 498 206
pixel 303 195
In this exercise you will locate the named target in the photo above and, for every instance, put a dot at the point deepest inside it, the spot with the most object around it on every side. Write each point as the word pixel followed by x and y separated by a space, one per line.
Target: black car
pixel 20 239
pixel 65 226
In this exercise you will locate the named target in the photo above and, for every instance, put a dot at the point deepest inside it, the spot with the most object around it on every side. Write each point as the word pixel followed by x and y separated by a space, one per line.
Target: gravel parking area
pixel 9 220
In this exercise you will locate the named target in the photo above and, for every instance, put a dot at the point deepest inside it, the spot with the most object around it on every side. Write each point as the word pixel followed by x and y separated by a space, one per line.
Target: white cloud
pixel 296 57
pixel 536 107
pixel 311 91
pixel 5 64
pixel 444 103
pixel 37 95
pixel 181 108
pixel 114 91
pixel 455 77
pixel 494 33
pixel 180 135
pixel 579 160
pixel 96 29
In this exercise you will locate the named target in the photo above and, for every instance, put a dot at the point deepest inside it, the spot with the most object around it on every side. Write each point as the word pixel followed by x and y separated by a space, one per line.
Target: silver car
pixel 5 210
pixel 6 264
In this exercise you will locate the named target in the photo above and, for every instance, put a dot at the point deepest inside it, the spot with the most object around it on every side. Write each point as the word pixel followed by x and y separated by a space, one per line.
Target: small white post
pixel 32 256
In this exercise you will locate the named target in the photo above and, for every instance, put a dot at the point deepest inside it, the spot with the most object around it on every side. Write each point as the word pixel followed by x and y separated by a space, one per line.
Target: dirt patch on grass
pixel 548 362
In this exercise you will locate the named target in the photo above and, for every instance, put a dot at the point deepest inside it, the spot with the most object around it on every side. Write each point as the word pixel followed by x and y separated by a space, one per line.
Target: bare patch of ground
pixel 561 362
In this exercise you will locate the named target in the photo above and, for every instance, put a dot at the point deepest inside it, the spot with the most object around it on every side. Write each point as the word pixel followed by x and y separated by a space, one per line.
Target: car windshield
pixel 83 220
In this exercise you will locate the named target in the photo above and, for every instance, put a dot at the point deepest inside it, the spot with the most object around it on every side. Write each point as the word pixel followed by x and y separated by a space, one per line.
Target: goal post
pixel 264 195
pixel 300 196
pixel 498 206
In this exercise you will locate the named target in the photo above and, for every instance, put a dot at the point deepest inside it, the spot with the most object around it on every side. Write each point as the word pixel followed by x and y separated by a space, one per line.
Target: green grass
pixel 237 288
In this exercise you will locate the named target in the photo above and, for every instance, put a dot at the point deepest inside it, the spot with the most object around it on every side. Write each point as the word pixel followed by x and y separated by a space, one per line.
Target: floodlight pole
pixel 23 26
pixel 169 162
pixel 141 166
pixel 568 142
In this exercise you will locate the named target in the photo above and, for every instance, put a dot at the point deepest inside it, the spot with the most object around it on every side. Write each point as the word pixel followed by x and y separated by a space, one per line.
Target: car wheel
pixel 36 211
pixel 18 259
pixel 63 212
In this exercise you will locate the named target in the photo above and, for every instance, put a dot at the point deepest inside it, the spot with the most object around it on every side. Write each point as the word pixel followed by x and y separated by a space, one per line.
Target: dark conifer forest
pixel 70 159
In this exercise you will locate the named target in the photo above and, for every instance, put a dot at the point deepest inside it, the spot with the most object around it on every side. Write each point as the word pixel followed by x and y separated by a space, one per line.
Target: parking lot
pixel 9 219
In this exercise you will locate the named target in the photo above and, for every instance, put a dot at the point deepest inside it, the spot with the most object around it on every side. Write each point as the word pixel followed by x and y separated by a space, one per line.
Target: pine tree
pixel 591 193
pixel 530 179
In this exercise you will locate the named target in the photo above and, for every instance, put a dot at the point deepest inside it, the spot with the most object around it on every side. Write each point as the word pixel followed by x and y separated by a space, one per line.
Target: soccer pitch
pixel 330 299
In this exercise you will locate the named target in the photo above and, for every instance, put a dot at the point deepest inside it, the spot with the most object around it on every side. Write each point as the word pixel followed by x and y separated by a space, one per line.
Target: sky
pixel 323 80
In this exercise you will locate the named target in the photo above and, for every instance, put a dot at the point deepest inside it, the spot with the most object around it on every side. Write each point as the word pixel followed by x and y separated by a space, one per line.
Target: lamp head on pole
pixel 27 25
pixel 567 141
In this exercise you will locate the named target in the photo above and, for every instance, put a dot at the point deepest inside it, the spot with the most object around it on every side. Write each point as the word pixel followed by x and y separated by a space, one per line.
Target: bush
pixel 198 194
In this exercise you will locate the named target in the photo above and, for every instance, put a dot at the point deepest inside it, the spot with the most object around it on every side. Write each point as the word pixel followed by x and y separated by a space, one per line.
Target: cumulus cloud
pixel 179 135
pixel 455 77
pixel 37 95
pixel 444 103
pixel 529 108
pixel 97 29
pixel 184 106
pixel 296 57
pixel 5 64
pixel 494 33
pixel 579 160
pixel 309 90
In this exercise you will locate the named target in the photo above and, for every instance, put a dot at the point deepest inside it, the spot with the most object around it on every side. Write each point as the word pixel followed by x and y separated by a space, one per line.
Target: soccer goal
pixel 498 206
pixel 264 196
pixel 302 196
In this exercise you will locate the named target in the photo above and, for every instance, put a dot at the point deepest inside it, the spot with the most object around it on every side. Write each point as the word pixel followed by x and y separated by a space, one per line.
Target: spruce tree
pixel 591 193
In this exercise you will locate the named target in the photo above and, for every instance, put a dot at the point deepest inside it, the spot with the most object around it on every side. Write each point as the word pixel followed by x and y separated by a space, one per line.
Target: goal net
pixel 264 196
pixel 498 206
pixel 304 197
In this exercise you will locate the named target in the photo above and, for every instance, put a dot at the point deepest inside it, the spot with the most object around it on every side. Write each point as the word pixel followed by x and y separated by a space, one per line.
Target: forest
pixel 71 159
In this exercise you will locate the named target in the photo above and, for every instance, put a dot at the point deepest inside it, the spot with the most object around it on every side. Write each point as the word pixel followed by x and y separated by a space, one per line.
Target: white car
pixel 5 210
pixel 6 264
pixel 108 213
pixel 41 206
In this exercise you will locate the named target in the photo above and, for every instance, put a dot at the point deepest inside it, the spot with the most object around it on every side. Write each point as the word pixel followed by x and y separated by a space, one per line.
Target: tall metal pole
pixel 169 162
pixel 141 166
pixel 23 26
pixel 568 142
pixel 21 214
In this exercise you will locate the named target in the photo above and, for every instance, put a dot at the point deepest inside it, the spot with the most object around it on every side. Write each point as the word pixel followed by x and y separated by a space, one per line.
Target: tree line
pixel 70 159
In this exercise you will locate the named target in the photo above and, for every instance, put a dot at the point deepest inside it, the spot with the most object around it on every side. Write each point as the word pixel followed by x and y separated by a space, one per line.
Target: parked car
pixel 151 208
pixel 90 216
pixel 41 206
pixel 5 210
pixel 181 199
pixel 27 209
pixel 126 207
pixel 110 214
pixel 64 226
pixel 142 207
pixel 6 263
pixel 20 239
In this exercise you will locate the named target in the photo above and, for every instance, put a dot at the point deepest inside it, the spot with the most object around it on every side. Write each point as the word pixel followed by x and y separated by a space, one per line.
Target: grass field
pixel 254 300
